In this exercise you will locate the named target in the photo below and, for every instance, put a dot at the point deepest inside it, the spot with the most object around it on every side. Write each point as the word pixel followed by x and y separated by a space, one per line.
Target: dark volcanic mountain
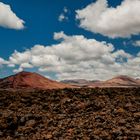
pixel 30 80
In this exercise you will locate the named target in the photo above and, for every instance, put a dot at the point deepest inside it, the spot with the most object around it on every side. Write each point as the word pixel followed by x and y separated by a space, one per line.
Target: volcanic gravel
pixel 70 114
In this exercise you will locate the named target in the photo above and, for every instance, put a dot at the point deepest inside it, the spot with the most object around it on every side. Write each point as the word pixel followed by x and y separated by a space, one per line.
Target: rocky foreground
pixel 70 114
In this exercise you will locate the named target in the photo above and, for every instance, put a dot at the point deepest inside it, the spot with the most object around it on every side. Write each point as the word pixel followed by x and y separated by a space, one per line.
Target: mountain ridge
pixel 32 80
pixel 121 80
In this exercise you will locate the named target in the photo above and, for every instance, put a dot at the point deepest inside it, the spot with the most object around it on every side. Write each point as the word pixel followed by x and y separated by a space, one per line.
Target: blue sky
pixel 41 19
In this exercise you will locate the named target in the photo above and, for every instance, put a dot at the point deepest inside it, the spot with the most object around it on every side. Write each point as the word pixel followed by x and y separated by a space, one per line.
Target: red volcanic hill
pixel 119 81
pixel 138 80
pixel 30 80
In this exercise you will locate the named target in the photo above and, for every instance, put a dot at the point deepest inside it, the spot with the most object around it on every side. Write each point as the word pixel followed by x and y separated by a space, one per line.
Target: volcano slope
pixel 29 80
pixel 70 114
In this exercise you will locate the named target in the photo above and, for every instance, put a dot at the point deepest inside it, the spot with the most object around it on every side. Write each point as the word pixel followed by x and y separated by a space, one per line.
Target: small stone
pixel 136 133
pixel 117 133
pixel 29 116
pixel 22 120
pixel 17 134
pixel 120 138
pixel 22 138
pixel 1 114
pixel 99 119
pixel 128 105
pixel 1 133
pixel 128 125
pixel 9 138
pixel 49 136
pixel 137 115
pixel 122 122
pixel 137 127
pixel 30 123
pixel 120 110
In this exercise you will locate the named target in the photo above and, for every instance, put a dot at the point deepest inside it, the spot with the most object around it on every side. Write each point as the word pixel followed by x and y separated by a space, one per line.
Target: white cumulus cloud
pixel 9 19
pixel 121 21
pixel 2 61
pixel 77 57
pixel 63 16
pixel 136 43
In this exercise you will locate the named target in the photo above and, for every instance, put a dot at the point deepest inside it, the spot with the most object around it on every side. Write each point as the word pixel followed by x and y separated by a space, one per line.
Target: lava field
pixel 70 114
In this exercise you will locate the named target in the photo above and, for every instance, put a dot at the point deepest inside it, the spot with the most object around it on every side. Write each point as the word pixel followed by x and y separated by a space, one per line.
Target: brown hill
pixel 31 81
pixel 119 81
pixel 81 82
pixel 138 80
pixel 76 82
pixel 122 80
